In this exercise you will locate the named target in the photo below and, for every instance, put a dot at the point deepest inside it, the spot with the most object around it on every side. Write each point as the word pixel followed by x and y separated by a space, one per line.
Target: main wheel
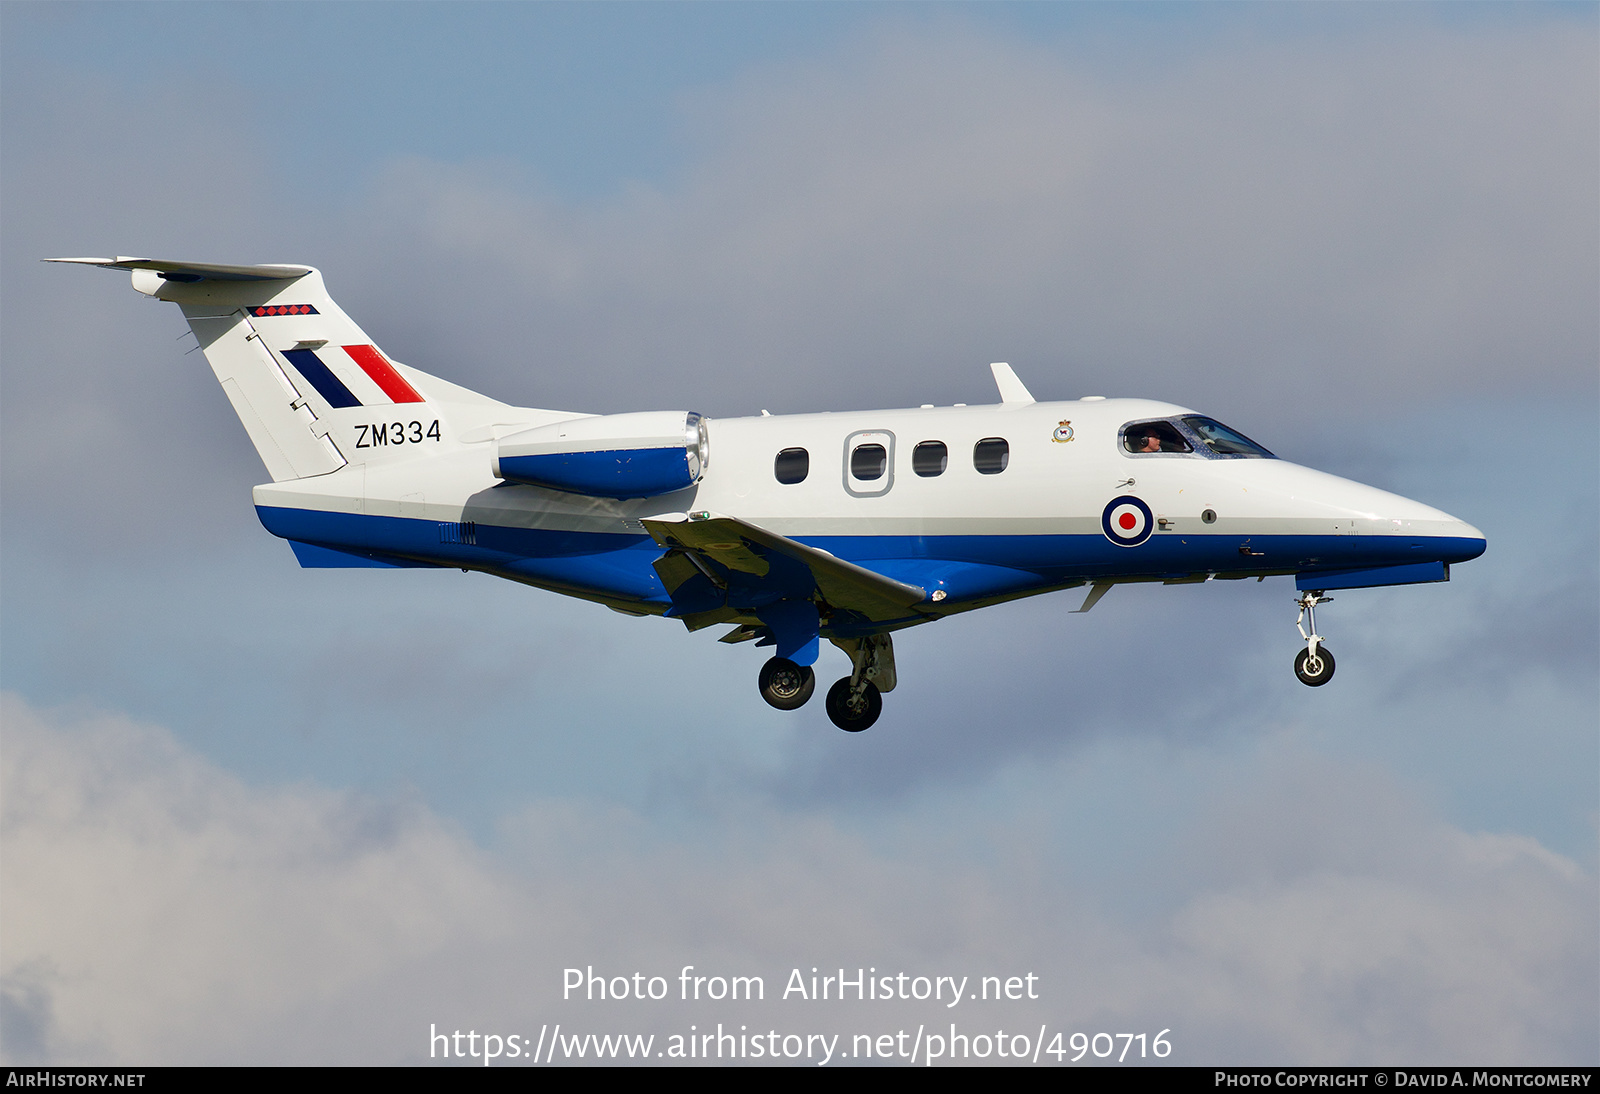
pixel 787 685
pixel 1314 671
pixel 856 716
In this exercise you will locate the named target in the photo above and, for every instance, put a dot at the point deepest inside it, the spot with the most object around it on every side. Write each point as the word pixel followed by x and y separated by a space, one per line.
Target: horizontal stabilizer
pixel 194 271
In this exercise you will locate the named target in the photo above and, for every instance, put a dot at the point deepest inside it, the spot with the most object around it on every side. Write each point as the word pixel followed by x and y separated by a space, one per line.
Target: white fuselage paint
pixel 1049 487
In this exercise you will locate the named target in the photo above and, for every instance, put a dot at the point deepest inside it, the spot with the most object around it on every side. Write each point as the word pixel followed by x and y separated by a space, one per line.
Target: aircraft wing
pixel 751 563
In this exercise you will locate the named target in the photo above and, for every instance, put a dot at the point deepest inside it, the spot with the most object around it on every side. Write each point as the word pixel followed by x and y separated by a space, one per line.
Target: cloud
pixel 153 899
pixel 1338 222
pixel 1271 228
pixel 159 910
pixel 480 692
pixel 1351 221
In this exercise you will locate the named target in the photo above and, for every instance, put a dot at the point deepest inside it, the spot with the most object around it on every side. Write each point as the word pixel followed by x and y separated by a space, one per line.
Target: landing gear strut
pixel 855 702
pixel 785 684
pixel 1314 664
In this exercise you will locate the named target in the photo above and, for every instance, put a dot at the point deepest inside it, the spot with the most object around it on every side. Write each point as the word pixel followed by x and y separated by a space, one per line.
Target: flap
pixel 742 547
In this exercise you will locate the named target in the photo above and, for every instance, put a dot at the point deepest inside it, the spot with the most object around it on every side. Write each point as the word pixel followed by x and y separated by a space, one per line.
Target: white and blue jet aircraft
pixel 787 528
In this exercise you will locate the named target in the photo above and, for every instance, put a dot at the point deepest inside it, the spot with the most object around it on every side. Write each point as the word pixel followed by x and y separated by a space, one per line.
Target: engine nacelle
pixel 609 456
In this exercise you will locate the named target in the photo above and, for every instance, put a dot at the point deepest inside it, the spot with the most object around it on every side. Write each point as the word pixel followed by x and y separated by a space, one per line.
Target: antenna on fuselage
pixel 1012 391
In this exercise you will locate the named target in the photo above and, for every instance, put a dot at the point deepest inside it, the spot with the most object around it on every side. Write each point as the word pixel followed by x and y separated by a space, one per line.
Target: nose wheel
pixel 1314 664
pixel 785 684
pixel 1316 669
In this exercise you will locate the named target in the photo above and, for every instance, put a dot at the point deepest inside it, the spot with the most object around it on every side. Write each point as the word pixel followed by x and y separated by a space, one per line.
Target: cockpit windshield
pixel 1191 436
pixel 1224 441
pixel 1149 437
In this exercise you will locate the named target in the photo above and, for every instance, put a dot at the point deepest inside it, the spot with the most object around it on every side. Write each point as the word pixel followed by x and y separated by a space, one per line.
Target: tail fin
pixel 288 357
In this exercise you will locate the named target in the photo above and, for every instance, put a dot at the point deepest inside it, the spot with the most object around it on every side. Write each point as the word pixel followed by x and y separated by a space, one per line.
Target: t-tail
pixel 295 366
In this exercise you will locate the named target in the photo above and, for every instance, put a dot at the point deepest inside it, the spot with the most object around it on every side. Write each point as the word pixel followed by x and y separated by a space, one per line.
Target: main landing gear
pixel 787 685
pixel 855 701
pixel 1314 664
pixel 854 707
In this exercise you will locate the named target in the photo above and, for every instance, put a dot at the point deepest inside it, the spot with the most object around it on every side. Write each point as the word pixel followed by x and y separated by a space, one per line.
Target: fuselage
pixel 972 503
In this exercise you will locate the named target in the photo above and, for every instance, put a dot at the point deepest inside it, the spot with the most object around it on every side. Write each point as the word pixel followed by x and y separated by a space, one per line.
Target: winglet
pixel 1012 391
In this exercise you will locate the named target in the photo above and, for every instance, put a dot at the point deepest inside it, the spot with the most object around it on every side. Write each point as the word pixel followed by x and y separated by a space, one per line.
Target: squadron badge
pixel 1063 433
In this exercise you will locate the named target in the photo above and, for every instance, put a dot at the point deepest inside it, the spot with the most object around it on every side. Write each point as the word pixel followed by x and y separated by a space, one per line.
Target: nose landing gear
pixel 1314 664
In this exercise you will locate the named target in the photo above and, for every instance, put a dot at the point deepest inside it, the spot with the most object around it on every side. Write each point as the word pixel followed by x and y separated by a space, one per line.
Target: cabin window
pixel 991 455
pixel 792 466
pixel 1150 438
pixel 869 461
pixel 930 458
pixel 1224 441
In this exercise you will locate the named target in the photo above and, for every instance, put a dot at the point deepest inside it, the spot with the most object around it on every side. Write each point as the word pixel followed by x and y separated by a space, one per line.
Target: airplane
pixel 786 528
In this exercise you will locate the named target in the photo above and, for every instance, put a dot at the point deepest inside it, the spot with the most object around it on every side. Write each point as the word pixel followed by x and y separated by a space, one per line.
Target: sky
pixel 256 814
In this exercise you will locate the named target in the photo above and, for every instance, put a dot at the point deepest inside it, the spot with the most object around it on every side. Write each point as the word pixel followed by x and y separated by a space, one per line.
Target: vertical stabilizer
pixel 279 419
pixel 292 363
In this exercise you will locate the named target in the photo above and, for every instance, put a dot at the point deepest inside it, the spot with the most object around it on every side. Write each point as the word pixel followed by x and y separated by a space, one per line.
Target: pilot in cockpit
pixel 1153 437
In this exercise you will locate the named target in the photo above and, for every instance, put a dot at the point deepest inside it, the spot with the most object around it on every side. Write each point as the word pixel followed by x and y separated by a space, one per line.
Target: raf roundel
pixel 1127 521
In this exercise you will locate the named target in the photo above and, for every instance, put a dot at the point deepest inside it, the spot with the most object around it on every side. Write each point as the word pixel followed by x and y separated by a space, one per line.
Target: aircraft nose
pixel 1471 542
pixel 1438 534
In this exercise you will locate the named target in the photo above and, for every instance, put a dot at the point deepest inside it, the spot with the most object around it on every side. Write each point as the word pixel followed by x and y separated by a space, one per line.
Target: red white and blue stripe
pixel 337 393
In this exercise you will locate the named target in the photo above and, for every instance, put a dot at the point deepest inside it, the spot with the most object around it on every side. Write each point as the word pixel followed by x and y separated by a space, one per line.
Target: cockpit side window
pixel 1224 441
pixel 1150 438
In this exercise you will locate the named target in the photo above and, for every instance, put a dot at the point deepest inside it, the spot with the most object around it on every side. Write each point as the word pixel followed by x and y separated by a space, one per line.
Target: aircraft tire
pixel 1314 674
pixel 853 719
pixel 785 684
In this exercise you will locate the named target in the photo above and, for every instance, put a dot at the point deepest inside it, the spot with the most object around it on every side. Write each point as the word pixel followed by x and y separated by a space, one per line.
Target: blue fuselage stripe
pixel 619 565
